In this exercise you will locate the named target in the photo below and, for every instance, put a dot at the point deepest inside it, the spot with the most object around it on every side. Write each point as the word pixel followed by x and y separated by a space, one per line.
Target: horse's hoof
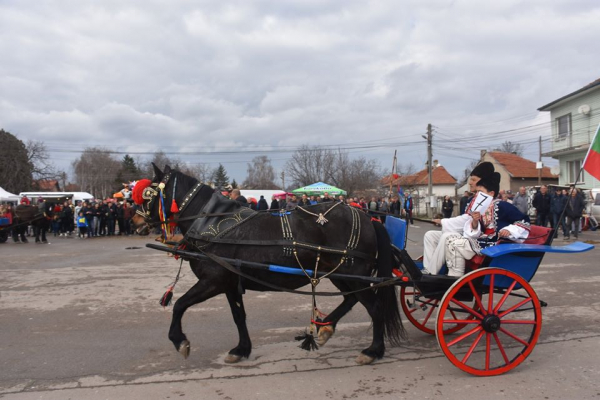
pixel 364 359
pixel 325 333
pixel 232 358
pixel 184 348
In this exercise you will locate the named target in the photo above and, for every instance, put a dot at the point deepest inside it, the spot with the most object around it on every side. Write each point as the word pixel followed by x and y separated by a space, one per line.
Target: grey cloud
pixel 261 74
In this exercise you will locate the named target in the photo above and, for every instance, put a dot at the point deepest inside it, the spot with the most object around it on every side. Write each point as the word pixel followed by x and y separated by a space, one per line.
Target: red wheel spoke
pixel 461 321
pixel 525 301
pixel 491 295
pixel 465 335
pixel 501 348
pixel 428 315
pixel 519 321
pixel 475 343
pixel 512 335
pixel 477 297
pixel 503 299
pixel 487 351
pixel 453 315
pixel 469 309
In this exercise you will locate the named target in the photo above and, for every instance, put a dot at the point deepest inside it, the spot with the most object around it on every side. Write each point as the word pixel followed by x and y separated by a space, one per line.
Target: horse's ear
pixel 167 169
pixel 158 174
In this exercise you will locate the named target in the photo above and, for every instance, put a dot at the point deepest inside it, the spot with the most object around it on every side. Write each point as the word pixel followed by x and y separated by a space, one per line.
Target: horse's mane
pixel 184 180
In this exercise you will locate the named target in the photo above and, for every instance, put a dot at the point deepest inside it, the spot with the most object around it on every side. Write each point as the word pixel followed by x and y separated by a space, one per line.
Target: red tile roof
pixel 519 167
pixel 440 176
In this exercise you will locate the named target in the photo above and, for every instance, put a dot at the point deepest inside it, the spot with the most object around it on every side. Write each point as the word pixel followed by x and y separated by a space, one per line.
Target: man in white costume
pixel 501 220
pixel 434 253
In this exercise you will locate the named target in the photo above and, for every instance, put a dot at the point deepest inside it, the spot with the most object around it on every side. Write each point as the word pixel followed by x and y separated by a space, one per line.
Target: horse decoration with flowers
pixel 329 237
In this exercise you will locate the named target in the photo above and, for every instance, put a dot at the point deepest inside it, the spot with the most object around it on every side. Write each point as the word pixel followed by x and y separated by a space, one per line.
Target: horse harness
pixel 220 217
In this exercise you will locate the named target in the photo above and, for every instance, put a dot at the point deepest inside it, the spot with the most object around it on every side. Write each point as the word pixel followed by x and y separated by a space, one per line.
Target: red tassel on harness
pixel 165 300
pixel 174 208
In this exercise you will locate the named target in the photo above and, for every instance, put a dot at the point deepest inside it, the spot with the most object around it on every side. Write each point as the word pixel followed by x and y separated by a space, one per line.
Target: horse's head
pixel 146 195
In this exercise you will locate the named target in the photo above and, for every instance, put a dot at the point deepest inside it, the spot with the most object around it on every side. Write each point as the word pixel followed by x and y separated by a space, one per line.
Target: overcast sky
pixel 205 76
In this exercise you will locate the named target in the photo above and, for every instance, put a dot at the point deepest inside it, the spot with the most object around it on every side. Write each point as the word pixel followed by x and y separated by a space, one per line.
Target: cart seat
pixel 396 228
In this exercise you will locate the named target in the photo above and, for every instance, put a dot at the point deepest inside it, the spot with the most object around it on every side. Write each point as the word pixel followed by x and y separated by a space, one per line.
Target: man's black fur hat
pixel 491 182
pixel 483 169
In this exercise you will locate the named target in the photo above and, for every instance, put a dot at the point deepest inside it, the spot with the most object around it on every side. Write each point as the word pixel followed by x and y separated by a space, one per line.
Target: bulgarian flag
pixel 591 163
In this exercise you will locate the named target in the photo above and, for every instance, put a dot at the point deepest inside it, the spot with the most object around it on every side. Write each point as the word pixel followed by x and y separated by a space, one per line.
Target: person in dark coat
pixel 575 206
pixel 303 202
pixel 558 201
pixel 447 207
pixel 237 196
pixel 395 206
pixel 541 203
pixel 262 204
pixel 274 203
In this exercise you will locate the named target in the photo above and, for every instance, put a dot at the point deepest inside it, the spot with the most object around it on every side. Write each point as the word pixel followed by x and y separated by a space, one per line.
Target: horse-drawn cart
pixel 486 322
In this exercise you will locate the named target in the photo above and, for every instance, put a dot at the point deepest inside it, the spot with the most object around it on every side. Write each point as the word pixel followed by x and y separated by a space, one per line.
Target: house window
pixel 573 168
pixel 564 126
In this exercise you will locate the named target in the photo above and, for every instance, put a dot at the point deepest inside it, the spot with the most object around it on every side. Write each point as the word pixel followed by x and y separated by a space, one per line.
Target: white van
pixel 75 196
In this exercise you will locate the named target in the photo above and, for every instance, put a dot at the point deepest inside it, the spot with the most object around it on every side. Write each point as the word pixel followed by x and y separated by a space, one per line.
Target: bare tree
pixel 510 147
pixel 467 172
pixel 310 164
pixel 313 164
pixel 202 172
pixel 260 174
pixel 97 171
pixel 160 159
pixel 43 169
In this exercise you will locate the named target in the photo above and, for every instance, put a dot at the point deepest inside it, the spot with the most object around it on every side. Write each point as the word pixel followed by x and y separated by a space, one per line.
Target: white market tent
pixel 7 196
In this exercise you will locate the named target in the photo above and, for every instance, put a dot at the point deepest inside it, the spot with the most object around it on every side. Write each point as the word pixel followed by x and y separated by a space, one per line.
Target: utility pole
pixel 283 180
pixel 540 163
pixel 429 169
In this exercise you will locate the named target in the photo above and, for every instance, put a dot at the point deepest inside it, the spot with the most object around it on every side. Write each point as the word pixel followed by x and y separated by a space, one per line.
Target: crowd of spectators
pixel 83 219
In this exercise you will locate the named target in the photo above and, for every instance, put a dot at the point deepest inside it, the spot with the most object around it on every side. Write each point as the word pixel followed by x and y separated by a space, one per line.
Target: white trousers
pixel 458 250
pixel 434 250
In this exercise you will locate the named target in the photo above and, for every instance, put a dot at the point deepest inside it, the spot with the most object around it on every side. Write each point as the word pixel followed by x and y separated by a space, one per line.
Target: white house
pixel 575 118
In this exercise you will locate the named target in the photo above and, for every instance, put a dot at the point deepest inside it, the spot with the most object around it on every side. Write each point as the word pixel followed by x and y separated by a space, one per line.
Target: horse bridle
pixel 149 195
pixel 151 192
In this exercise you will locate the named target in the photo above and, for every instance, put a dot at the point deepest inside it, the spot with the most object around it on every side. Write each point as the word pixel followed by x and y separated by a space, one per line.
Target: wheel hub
pixel 491 323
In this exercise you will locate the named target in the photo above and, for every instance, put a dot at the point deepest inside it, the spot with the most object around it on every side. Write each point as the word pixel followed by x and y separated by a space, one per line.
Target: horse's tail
pixel 387 300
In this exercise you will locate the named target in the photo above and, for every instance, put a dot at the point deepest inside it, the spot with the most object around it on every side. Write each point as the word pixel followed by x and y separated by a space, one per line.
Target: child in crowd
pixel 82 225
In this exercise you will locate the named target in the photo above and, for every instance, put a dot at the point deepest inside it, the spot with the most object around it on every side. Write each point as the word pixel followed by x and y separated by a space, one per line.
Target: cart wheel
pixel 421 314
pixel 506 326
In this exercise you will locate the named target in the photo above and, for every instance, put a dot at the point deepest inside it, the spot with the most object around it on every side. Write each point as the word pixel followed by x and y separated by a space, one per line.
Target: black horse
pixel 290 239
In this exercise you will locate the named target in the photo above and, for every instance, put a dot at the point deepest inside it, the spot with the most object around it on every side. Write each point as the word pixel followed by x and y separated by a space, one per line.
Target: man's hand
pixel 476 215
pixel 437 221
pixel 504 233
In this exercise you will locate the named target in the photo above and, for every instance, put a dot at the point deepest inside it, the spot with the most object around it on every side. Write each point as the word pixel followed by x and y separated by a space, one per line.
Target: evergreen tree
pixel 16 169
pixel 234 184
pixel 129 170
pixel 220 178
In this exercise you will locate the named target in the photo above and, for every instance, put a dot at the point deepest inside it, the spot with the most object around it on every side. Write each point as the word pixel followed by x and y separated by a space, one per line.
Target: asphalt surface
pixel 80 319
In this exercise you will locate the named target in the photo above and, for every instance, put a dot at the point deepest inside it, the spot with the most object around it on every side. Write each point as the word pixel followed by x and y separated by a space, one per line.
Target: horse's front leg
pixel 244 346
pixel 326 331
pixel 201 291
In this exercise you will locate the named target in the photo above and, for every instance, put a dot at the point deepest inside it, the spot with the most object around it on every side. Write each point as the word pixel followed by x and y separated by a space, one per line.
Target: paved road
pixel 80 319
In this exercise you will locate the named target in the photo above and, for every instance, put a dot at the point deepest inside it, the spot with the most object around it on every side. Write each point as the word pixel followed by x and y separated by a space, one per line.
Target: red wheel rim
pixel 505 325
pixel 422 314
